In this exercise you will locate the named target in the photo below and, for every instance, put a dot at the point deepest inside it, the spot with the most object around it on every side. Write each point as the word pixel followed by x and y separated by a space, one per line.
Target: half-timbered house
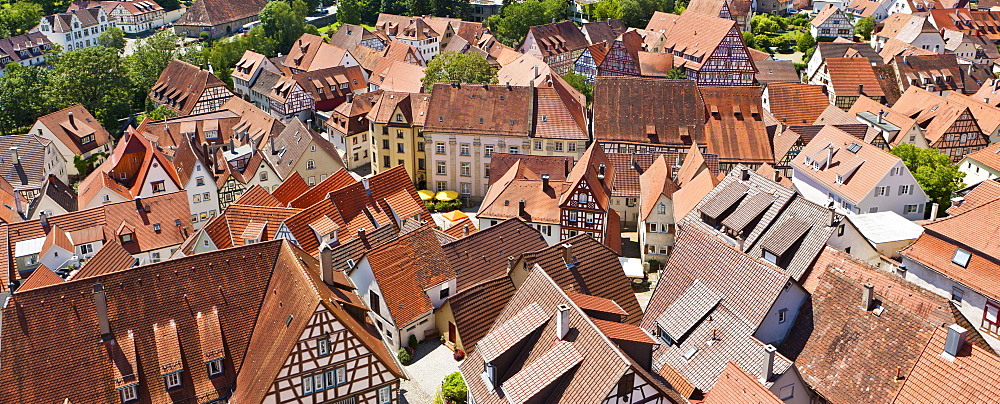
pixel 736 10
pixel 559 44
pixel 317 348
pixel 948 126
pixel 187 89
pixel 709 49
pixel 284 96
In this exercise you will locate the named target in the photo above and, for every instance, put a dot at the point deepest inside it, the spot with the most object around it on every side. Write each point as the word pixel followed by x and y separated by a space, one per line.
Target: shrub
pixel 459 354
pixel 404 356
pixel 412 342
pixel 453 389
pixel 429 205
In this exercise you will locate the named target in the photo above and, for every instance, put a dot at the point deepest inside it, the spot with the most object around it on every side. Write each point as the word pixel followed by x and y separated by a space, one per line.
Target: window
pixel 385 144
pixel 341 374
pixel 196 198
pixel 200 181
pixel 486 170
pixel 465 169
pixel 105 198
pixel 215 367
pixel 991 324
pixel 465 188
pixel 441 167
pixel 488 150
pixel 310 165
pixel 770 257
pixel 329 378
pixel 311 181
pixel 439 148
pixel 873 209
pixel 385 395
pixel 173 380
pixel 206 196
pixel 961 257
pixel 882 191
pixel 323 346
pixel 385 161
pixel 572 147
pixel 786 392
pixel 445 291
pixel 399 134
pixel 905 190
pixel 155 257
pixel 538 145
pixel 911 208
pixel 86 248
pixel 840 230
pixel 420 146
pixel 514 150
pixel 307 384
pixel 441 186
pixel 126 238
pixel 129 393
pixel 373 302
pixel 664 336
pixel 399 148
pixel 158 186
pixel 463 149
pixel 782 316
pixel 957 294
pixel 559 146
pixel 263 174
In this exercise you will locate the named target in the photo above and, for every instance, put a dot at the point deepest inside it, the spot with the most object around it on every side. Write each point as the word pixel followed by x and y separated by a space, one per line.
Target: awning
pixel 425 195
pixel 632 267
pixel 446 196
pixel 455 216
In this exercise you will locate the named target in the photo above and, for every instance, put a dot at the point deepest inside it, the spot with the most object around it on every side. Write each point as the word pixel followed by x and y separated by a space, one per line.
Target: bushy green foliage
pixel 113 37
pixel 936 174
pixel 579 82
pixel 461 67
pixel 676 74
pixel 453 389
pixel 17 18
pixel 412 342
pixel 404 356
pixel 806 42
pixel 512 23
pixel 864 28
pixel 284 22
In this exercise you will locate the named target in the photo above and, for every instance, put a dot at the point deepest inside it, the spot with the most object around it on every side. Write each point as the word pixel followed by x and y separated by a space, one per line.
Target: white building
pixel 837 169
pixel 133 16
pixel 28 50
pixel 831 23
pixel 981 165
pixel 75 29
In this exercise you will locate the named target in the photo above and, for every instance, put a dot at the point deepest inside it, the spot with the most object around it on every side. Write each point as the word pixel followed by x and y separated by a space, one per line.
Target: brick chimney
pixel 326 264
pixel 364 238
pixel 521 211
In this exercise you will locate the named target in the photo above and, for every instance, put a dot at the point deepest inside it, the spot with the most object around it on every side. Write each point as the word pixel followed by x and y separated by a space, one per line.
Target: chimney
pixel 744 174
pixel 880 112
pixel 101 306
pixel 567 250
pixel 521 211
pixel 368 190
pixel 270 140
pixel 566 167
pixel 934 211
pixel 600 171
pixel 13 155
pixel 777 176
pixel 829 157
pixel 861 89
pixel 138 204
pixel 867 296
pixel 562 321
pixel 232 148
pixel 43 219
pixel 72 122
pixel 545 182
pixel 767 371
pixel 956 336
pixel 535 70
pixel 326 264
pixel 364 238
pixel 465 231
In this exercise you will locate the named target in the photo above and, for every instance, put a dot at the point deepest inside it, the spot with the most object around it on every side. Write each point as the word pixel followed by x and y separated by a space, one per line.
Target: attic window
pixel 156 227
pixel 961 257
pixel 854 147
pixel 934 108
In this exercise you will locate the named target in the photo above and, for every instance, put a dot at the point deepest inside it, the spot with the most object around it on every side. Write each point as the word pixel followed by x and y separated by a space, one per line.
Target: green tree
pixel 461 67
pixel 284 22
pixel 453 389
pixel 606 10
pixel 806 42
pixel 864 28
pixel 349 12
pixel 85 165
pixel 512 23
pixel 17 18
pixel 143 66
pixel 113 37
pixel 762 24
pixel 93 77
pixel 763 42
pixel 748 39
pixel 934 171
pixel 19 90
pixel 418 7
pixel 676 74
pixel 157 114
pixel 579 82
pixel 169 4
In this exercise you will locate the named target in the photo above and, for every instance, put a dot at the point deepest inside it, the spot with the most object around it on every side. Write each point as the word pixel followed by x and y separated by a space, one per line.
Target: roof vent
pixel 956 336
pixel 562 321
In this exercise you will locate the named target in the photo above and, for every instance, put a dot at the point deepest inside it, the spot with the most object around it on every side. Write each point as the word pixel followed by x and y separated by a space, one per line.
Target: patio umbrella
pixel 425 195
pixel 455 216
pixel 446 196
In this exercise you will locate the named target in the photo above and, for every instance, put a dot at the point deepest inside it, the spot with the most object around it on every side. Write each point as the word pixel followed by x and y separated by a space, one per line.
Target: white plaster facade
pixel 203 195
pixel 79 35
pixel 976 172
pixel 885 196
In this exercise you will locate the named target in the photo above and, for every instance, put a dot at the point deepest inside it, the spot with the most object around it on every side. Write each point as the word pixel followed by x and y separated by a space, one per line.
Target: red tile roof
pixel 71 125
pixel 484 255
pixel 796 103
pixel 735 130
pixel 181 85
pixel 648 110
pixel 737 386
pixel 405 268
pixel 257 196
pixel 847 75
pixel 41 277
pixel 971 377
pixel 985 192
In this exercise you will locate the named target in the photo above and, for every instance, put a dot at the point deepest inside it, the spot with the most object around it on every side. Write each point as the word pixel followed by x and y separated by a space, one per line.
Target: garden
pixel 776 34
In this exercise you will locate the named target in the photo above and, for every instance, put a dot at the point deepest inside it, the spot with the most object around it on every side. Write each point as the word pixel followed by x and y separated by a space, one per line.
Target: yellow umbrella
pixel 446 196
pixel 455 216
pixel 425 195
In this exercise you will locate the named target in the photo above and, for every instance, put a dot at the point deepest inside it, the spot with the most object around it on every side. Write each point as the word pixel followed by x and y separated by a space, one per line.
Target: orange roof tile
pixel 860 170
pixel 972 376
pixel 986 191
pixel 110 258
pixel 848 75
pixel 735 385
pixel 257 196
pixel 40 278
pixel 405 268
pixel 796 103
pixel 291 188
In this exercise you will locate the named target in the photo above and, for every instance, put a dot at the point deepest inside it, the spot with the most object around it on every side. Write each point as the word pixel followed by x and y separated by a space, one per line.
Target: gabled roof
pixel 310 196
pixel 854 188
pixel 595 272
pixel 641 110
pixel 476 307
pixel 586 367
pixel 936 248
pixel 35 43
pixel 557 167
pixel 349 36
pixel 986 191
pixel 776 71
pixel 181 84
pixel 971 376
pixel 28 172
pixel 327 83
pixel 110 258
pixel 556 38
pixel 248 64
pixel 41 277
pixel 942 70
pixel 654 183
pixel 292 144
pixel 71 125
pixel 257 196
pixel 829 11
pixel 399 76
pixel 796 103
pixel 311 52
pixel 880 115
pixel 479 109
pixel 987 116
pixel 936 114
pixel 691 33
pixel 735 130
pixel 864 369
pixel 132 145
pixel 905 27
pixel 894 47
pixel 735 385
pixel 484 255
pixel 853 76
pixel 207 13
pixel 989 93
pixel 693 191
pixel 405 268
pixel 527 70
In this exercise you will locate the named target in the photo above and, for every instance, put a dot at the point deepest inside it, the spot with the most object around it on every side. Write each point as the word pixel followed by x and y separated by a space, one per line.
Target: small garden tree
pixel 453 389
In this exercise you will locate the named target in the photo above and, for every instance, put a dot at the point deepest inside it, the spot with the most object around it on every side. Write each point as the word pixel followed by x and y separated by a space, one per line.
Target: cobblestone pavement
pixel 432 361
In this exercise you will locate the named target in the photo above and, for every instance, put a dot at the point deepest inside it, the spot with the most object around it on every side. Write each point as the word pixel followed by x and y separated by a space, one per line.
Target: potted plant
pixel 459 354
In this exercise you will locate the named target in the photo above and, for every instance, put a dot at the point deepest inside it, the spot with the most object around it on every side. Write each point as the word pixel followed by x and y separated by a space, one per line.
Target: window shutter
pixel 920 208
pixel 911 189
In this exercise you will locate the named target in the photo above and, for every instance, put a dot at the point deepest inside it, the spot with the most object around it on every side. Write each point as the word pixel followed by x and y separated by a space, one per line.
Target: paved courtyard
pixel 432 361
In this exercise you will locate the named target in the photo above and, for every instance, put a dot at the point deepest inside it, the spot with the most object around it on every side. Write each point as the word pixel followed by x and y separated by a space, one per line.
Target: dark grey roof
pixel 29 171
pixel 689 308
pixel 728 195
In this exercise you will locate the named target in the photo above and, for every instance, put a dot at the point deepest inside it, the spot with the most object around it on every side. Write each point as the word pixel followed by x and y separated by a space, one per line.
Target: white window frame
pixel 323 346
pixel 214 367
pixel 341 375
pixel 130 393
pixel 961 257
pixel 172 380
pixel 385 395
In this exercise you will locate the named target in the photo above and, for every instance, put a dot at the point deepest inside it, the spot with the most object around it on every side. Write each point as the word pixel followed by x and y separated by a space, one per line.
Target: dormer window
pixel 173 380
pixel 323 346
pixel 87 139
pixel 211 134
pixel 769 257
pixel 214 367
pixel 129 393
pixel 127 238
